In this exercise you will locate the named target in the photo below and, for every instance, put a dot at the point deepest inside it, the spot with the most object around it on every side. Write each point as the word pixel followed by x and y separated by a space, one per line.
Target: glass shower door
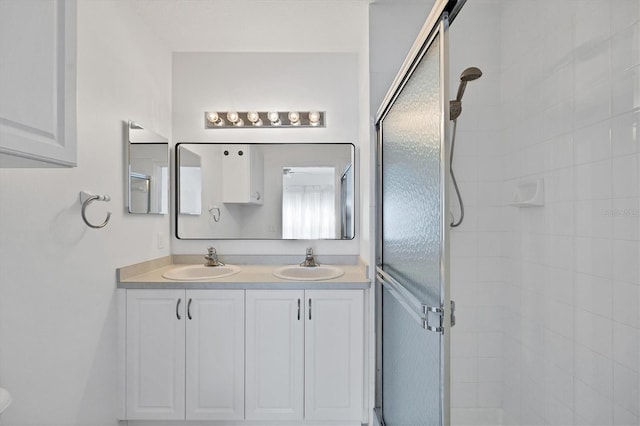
pixel 412 270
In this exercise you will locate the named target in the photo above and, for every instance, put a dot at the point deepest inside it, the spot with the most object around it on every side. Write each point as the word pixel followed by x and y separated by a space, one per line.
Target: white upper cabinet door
pixel 215 355
pixel 274 380
pixel 37 83
pixel 334 354
pixel 155 354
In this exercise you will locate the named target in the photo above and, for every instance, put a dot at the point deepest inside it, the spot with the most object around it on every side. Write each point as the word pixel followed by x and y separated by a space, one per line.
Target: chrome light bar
pixel 263 119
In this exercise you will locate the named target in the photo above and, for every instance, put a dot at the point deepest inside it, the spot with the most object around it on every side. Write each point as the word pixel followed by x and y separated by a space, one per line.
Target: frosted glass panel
pixel 411 183
pixel 412 245
pixel 411 369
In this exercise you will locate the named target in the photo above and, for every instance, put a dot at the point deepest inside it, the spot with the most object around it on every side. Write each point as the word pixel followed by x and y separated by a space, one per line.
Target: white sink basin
pixel 200 272
pixel 308 273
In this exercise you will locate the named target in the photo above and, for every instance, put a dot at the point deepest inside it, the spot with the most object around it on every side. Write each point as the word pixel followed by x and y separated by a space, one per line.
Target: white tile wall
pixel 590 309
pixel 566 276
pixel 476 264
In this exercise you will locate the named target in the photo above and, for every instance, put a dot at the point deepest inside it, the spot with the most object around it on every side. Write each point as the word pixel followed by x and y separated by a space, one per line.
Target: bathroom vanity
pixel 250 347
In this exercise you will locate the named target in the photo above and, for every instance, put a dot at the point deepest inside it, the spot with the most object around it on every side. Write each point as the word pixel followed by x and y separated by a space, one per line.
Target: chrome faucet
pixel 309 260
pixel 212 258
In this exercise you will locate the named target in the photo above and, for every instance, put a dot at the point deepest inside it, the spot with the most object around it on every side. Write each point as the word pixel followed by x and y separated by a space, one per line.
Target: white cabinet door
pixel 242 174
pixel 37 83
pixel 334 354
pixel 215 355
pixel 155 354
pixel 274 380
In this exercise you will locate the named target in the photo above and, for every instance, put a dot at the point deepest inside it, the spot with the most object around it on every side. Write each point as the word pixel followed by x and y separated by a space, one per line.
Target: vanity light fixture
pixel 263 119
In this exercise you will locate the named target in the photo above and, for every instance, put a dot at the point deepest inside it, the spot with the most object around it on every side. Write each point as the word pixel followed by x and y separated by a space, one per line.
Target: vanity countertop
pixel 148 275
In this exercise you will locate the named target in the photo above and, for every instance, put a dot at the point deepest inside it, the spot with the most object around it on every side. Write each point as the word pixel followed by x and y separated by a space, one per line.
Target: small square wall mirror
pixel 147 171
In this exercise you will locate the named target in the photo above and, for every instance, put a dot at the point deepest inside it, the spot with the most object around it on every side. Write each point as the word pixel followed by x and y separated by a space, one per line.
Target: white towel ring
pixel 86 199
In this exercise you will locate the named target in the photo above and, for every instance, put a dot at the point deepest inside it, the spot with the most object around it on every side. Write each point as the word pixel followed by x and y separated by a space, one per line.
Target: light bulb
pixel 294 118
pixel 314 118
pixel 232 116
pixel 253 116
pixel 215 119
pixel 274 118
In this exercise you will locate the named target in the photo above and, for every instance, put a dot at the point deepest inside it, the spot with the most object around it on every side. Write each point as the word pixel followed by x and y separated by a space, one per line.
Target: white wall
pixel 57 276
pixel 267 81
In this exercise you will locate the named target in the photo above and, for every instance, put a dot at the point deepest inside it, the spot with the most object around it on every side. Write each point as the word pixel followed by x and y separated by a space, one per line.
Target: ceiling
pixel 258 25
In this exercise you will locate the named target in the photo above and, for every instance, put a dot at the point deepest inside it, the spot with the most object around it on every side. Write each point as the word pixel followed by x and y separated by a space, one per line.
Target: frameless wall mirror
pixel 148 171
pixel 265 191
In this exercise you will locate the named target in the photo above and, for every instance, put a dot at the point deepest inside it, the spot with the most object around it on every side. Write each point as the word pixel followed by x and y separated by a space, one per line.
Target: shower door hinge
pixel 431 311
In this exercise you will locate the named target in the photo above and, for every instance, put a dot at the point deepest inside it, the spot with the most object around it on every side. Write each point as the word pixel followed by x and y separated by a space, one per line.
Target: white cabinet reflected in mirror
pixel 265 191
pixel 148 171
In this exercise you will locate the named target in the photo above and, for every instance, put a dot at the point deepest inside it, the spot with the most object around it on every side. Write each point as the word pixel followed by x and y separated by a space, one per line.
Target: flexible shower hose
pixel 453 178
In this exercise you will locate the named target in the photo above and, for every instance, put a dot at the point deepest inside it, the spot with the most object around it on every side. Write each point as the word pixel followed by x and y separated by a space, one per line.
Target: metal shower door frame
pixel 437 24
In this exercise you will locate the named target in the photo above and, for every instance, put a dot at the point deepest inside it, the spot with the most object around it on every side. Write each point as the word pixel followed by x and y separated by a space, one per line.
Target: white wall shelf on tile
pixel 529 193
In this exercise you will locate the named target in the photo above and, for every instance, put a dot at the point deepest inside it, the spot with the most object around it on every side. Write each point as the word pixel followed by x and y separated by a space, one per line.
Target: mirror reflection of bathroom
pixel 148 171
pixel 265 191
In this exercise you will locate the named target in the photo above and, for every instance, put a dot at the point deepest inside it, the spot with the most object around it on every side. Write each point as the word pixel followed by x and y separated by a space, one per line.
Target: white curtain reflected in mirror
pixel 308 202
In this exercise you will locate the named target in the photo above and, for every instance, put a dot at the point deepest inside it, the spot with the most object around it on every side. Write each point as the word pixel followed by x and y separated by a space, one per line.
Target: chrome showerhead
pixel 455 106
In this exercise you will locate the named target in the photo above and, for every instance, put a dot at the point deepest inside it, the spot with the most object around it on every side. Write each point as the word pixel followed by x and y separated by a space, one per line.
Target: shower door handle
pixel 453 313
